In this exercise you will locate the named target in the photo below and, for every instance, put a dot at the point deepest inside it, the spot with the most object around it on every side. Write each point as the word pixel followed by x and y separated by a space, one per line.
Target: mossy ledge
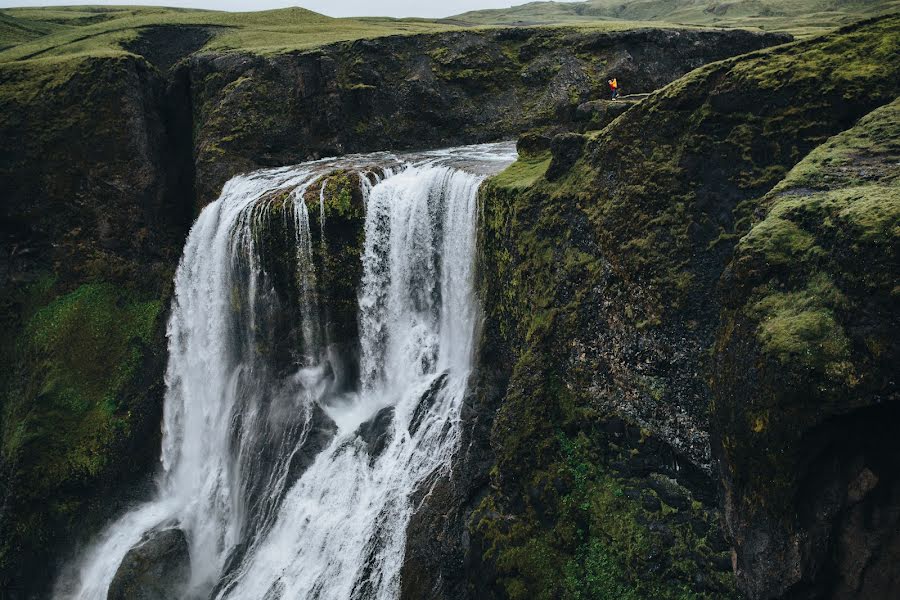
pixel 610 306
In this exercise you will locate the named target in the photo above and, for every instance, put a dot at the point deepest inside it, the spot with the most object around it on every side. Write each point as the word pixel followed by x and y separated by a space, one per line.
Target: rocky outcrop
pixel 604 292
pixel 157 568
pixel 376 432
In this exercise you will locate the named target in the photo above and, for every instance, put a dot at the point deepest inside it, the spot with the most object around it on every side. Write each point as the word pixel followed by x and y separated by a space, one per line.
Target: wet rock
pixel 425 402
pixel 322 430
pixel 157 568
pixel 377 433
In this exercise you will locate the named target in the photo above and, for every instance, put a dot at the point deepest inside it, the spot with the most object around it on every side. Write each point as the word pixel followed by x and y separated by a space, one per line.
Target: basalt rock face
pixel 423 91
pixel 96 182
pixel 660 329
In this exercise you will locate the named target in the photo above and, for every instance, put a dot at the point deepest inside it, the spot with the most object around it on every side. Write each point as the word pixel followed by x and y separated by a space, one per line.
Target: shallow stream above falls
pixel 289 457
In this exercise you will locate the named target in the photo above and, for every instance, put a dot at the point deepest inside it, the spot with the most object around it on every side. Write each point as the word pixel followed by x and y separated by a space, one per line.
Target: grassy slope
pixel 797 16
pixel 66 32
pixel 72 31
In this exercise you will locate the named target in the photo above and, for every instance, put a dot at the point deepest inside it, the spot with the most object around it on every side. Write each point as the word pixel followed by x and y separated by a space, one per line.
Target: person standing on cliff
pixel 613 88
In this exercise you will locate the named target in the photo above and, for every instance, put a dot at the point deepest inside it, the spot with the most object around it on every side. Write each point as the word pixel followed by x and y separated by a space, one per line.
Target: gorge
pixel 651 354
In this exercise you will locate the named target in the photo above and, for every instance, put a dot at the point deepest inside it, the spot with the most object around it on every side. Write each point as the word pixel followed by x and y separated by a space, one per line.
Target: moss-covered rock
pixel 96 206
pixel 318 298
pixel 603 293
pixel 806 356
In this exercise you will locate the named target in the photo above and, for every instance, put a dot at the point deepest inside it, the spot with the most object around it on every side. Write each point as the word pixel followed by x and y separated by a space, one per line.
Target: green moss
pixel 851 159
pixel 801 327
pixel 81 351
pixel 598 544
pixel 339 189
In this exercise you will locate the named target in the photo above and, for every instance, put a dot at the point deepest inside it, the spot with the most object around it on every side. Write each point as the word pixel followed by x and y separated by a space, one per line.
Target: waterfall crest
pixel 286 484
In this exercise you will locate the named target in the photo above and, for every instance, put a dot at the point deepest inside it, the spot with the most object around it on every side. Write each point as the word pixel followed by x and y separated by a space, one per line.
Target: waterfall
pixel 283 487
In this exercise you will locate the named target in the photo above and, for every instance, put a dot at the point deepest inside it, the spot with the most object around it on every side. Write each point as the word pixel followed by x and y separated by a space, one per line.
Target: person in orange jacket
pixel 613 88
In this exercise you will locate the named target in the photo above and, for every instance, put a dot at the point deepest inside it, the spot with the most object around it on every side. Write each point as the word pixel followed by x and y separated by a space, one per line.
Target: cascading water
pixel 284 486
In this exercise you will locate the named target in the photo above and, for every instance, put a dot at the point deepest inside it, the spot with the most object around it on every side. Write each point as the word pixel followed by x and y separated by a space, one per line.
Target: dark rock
pixel 157 568
pixel 377 432
pixel 651 503
pixel 566 149
pixel 163 46
pixel 721 562
pixel 426 402
pixel 533 143
pixel 597 114
pixel 669 492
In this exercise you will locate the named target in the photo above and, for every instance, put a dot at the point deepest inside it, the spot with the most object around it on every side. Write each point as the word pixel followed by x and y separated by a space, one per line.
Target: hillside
pixel 796 16
pixel 90 30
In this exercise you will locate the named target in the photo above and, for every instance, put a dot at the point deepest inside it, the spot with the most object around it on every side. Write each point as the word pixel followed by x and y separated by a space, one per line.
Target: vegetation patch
pixel 523 173
pixel 81 352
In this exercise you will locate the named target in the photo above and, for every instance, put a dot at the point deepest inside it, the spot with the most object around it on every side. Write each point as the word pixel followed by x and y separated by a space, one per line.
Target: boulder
pixel 156 568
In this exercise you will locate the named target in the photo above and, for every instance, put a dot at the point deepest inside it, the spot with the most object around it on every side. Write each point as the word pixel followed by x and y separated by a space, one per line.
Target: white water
pixel 235 427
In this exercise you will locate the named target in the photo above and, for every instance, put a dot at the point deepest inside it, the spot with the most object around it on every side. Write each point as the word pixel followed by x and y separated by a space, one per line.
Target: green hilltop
pixel 796 16
pixel 72 31
pixel 27 33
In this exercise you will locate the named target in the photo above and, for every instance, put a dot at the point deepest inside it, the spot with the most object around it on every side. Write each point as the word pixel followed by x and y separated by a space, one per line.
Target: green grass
pixel 92 31
pixel 801 17
pixel 17 30
pixel 523 173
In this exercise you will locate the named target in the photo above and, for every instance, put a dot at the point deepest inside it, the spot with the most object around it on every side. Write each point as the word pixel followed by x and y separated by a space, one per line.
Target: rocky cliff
pixel 655 306
pixel 96 201
pixel 104 161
